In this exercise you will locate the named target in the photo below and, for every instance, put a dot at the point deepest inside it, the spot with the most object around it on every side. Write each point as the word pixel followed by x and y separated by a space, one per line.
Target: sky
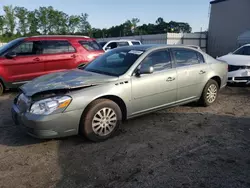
pixel 106 13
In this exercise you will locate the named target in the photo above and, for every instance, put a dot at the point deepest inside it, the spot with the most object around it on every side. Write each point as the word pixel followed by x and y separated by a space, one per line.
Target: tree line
pixel 19 21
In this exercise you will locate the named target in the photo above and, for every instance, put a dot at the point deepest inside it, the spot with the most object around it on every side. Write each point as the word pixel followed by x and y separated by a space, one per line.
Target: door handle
pixel 36 59
pixel 202 72
pixel 73 56
pixel 170 79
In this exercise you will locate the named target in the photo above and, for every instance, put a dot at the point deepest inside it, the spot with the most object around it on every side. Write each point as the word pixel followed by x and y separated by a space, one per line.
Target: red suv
pixel 23 59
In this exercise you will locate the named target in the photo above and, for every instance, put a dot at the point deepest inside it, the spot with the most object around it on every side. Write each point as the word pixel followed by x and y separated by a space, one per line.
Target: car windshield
pixel 115 62
pixel 245 50
pixel 9 45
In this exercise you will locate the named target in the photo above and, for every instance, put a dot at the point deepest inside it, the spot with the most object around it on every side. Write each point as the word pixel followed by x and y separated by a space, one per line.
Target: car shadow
pixel 162 150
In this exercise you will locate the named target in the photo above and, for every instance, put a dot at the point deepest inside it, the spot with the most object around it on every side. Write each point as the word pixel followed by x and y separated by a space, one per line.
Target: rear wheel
pixel 210 93
pixel 1 88
pixel 101 120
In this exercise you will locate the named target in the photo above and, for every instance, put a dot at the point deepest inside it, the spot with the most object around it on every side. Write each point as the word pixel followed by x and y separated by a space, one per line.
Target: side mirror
pixel 10 55
pixel 145 70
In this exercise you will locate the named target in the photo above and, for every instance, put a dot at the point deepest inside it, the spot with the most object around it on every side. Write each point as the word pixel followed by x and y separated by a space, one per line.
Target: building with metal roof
pixel 228 20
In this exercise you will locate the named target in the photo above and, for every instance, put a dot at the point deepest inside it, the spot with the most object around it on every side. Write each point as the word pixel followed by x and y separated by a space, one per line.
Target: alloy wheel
pixel 104 121
pixel 211 93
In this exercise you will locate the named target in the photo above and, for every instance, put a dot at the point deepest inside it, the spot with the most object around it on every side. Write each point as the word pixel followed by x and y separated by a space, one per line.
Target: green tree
pixel 2 24
pixel 57 22
pixel 63 22
pixel 127 28
pixel 73 23
pixel 22 14
pixel 10 18
pixel 42 16
pixel 84 25
pixel 159 21
pixel 135 22
pixel 33 22
pixel 161 25
pixel 51 16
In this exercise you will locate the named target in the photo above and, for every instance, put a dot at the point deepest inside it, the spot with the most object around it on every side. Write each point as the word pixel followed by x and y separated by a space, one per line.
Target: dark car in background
pixel 24 59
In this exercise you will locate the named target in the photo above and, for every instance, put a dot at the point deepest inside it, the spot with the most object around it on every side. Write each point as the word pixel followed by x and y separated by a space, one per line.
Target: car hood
pixel 65 80
pixel 232 59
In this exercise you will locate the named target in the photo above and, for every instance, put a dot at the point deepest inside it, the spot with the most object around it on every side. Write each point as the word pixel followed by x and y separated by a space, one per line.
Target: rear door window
pixel 136 43
pixel 159 60
pixel 91 45
pixel 184 57
pixel 57 47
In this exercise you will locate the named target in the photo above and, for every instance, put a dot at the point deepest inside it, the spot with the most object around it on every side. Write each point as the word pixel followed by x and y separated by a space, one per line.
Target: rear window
pixel 136 43
pixel 123 44
pixel 91 45
pixel 56 47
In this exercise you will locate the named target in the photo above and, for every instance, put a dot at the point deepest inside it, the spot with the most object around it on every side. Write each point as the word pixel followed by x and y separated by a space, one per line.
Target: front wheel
pixel 101 120
pixel 210 93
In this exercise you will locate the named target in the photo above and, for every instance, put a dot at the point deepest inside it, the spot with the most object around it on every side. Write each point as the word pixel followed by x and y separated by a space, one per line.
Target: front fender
pixel 82 98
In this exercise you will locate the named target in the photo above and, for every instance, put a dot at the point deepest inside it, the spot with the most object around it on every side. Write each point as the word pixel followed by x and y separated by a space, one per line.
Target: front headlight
pixel 50 105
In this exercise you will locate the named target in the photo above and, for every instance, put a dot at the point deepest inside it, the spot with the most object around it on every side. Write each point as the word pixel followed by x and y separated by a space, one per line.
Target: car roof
pixel 124 40
pixel 59 37
pixel 146 47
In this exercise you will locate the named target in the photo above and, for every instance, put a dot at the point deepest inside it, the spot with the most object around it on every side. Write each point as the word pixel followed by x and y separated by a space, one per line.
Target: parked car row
pixel 120 84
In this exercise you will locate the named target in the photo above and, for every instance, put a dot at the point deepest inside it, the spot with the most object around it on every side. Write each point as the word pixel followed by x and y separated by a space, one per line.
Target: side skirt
pixel 164 107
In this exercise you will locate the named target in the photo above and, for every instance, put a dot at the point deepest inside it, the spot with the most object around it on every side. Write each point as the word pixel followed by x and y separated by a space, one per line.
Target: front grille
pixel 242 78
pixel 232 68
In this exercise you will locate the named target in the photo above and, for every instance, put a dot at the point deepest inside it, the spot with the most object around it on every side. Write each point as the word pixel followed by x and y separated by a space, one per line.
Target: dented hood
pixel 65 80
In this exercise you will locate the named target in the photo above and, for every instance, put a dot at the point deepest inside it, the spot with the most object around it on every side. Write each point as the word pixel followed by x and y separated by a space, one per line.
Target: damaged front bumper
pixel 47 126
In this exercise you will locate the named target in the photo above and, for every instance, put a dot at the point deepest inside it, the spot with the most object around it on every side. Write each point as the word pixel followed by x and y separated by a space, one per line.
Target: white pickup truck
pixel 118 43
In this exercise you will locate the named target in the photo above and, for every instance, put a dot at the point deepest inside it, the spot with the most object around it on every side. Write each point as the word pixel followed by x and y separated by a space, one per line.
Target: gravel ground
pixel 186 146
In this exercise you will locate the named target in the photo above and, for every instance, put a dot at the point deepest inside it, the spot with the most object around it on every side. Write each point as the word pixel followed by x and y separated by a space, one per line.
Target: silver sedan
pixel 121 84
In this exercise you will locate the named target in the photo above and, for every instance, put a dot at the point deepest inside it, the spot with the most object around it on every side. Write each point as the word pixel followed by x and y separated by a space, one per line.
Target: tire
pixel 1 88
pixel 211 86
pixel 94 126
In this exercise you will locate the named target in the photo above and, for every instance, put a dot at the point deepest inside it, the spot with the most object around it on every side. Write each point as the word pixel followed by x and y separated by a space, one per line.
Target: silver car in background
pixel 121 84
